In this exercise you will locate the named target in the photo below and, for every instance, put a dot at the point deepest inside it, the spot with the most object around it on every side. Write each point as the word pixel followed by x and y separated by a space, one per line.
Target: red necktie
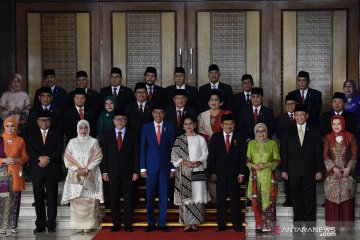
pixel 158 134
pixel 119 141
pixel 114 92
pixel 150 93
pixel 302 96
pixel 179 118
pixel 292 116
pixel 227 143
pixel 255 115
pixel 81 113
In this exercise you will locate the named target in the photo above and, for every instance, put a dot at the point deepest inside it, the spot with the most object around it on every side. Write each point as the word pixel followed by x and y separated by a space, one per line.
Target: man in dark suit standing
pixel 226 166
pixel 255 113
pixel 243 98
pixel 76 113
pixel 284 120
pixel 338 108
pixel 225 89
pixel 92 96
pixel 45 151
pixel 120 167
pixel 310 97
pixel 59 94
pixel 157 138
pixel 123 94
pixel 302 165
pixel 191 92
pixel 156 94
pixel 138 112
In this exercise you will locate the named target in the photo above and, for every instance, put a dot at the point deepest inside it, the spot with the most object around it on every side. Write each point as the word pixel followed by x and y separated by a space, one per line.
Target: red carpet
pixel 175 234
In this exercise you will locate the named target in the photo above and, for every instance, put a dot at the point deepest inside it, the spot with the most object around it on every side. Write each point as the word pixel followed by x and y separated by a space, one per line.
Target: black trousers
pixel 45 189
pixel 287 191
pixel 231 186
pixel 126 186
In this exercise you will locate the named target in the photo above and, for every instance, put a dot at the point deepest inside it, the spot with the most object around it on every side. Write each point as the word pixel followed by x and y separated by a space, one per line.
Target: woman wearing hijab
pixel 340 155
pixel 263 158
pixel 189 153
pixel 105 121
pixel 83 184
pixel 15 102
pixel 12 157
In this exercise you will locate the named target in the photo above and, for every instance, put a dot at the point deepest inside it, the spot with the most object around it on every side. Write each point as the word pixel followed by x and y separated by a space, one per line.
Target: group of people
pixel 119 135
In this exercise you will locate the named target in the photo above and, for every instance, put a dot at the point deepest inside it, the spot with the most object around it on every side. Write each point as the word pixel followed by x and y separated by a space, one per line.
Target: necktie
pixel 255 115
pixel 81 113
pixel 141 108
pixel 248 98
pixel 302 96
pixel 227 143
pixel 214 86
pixel 119 141
pixel 179 118
pixel 114 92
pixel 44 136
pixel 158 134
pixel 292 116
pixel 301 135
pixel 150 93
pixel 46 108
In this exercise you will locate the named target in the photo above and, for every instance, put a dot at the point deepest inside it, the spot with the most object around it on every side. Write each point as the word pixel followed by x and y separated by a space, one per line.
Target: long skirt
pixel 340 215
pixel 84 213
pixel 192 213
pixel 265 219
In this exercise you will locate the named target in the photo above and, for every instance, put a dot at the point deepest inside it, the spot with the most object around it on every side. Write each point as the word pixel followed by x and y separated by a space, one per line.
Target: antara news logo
pixel 323 231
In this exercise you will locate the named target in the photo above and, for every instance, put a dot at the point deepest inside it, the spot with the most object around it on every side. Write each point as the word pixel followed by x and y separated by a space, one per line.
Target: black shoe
pixel 51 230
pixel 115 229
pixel 187 230
pixel 248 203
pixel 239 229
pixel 149 229
pixel 220 229
pixel 287 204
pixel 323 205
pixel 33 204
pixel 258 231
pixel 128 229
pixel 39 230
pixel 164 229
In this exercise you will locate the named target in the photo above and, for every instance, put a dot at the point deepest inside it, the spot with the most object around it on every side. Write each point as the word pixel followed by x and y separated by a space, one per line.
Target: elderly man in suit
pixel 226 165
pixel 243 98
pixel 302 165
pixel 45 151
pixel 157 138
pixel 156 94
pixel 310 97
pixel 191 92
pixel 120 167
pixel 59 94
pixel 225 89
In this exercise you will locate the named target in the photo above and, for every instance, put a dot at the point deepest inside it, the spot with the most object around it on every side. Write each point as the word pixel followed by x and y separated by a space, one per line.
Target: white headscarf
pixel 87 137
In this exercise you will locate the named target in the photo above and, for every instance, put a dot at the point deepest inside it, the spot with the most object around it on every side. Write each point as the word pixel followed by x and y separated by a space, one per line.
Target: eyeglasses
pixel 44 120
pixel 120 118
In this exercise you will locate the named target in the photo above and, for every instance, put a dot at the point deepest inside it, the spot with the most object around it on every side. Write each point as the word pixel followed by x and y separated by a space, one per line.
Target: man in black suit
pixel 284 120
pixel 76 113
pixel 302 165
pixel 123 94
pixel 310 97
pixel 120 167
pixel 92 96
pixel 138 112
pixel 59 94
pixel 255 113
pixel 243 98
pixel 225 89
pixel 191 92
pixel 338 108
pixel 156 94
pixel 45 147
pixel 226 166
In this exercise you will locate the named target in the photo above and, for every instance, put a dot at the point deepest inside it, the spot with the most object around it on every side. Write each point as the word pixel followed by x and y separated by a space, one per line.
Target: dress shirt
pixel 215 86
pixel 258 109
pixel 303 127
pixel 117 90
pixel 78 109
pixel 305 93
pixel 338 113
pixel 47 107
pixel 182 87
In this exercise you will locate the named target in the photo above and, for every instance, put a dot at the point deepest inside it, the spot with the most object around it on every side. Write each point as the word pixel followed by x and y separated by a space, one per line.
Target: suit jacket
pixel 125 95
pixel 59 98
pixel 225 164
pixel 239 102
pixel 155 157
pixel 282 121
pixel 192 95
pixel 71 118
pixel 171 117
pixel 121 163
pixel 325 124
pixel 55 114
pixel 227 95
pixel 92 100
pixel 159 95
pixel 52 148
pixel 246 122
pixel 136 119
pixel 313 102
pixel 302 160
